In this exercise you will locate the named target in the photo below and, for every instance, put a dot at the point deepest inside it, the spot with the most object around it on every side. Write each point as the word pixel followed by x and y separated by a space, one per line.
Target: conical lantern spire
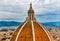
pixel 30 4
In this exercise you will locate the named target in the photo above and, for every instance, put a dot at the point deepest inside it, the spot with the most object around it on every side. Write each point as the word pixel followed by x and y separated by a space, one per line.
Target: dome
pixel 30 30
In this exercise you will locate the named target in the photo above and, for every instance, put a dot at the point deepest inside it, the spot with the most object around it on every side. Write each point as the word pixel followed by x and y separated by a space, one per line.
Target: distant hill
pixel 13 23
pixel 9 23
pixel 51 24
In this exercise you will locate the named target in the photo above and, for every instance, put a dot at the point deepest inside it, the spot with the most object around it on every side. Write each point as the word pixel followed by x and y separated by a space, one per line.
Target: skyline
pixel 16 10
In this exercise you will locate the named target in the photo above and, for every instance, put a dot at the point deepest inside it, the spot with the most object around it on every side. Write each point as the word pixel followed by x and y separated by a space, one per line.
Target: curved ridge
pixel 33 31
pixel 20 31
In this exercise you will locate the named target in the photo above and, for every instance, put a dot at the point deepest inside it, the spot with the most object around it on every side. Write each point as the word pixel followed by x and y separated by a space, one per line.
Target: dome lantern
pixel 31 14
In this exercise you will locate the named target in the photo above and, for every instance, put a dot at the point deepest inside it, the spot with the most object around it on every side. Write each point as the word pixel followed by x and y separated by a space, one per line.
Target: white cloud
pixel 18 8
pixel 11 16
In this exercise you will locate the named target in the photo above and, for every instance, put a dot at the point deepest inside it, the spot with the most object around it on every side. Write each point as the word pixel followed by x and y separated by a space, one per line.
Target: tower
pixel 30 30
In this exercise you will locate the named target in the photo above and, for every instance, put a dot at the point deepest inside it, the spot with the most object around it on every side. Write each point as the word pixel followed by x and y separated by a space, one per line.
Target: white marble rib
pixel 45 32
pixel 33 31
pixel 20 31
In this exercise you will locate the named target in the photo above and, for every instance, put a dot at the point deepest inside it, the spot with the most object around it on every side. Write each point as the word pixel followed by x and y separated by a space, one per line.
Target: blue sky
pixel 16 10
